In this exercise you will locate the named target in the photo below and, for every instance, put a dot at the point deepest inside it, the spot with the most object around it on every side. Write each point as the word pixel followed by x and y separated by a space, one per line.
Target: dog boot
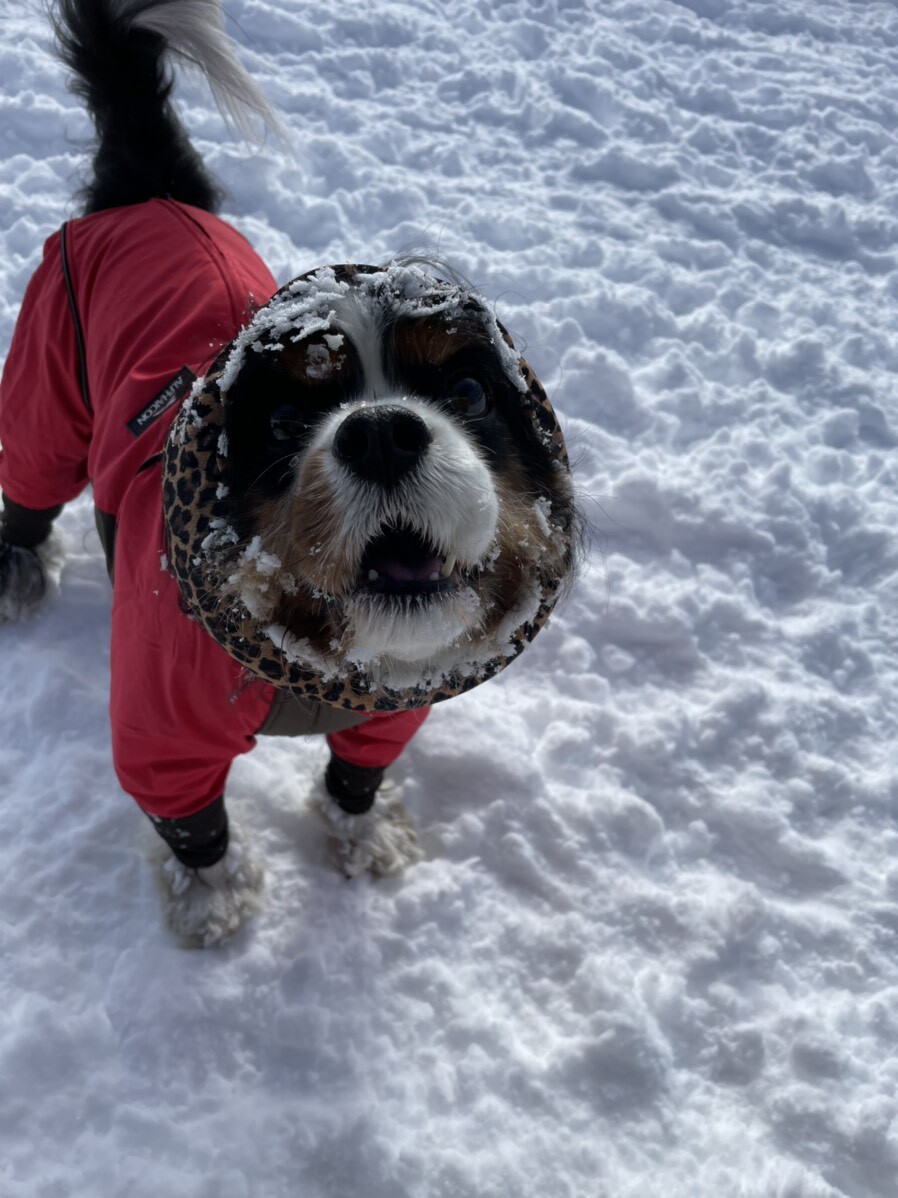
pixel 23 577
pixel 23 582
pixel 353 787
pixel 210 883
pixel 368 836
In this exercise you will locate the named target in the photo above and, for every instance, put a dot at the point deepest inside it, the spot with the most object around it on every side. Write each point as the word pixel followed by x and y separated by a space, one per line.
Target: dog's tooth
pixel 434 577
pixel 448 567
pixel 373 576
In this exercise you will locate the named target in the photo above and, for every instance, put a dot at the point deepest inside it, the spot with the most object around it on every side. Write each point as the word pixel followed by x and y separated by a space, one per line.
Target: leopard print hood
pixel 204 550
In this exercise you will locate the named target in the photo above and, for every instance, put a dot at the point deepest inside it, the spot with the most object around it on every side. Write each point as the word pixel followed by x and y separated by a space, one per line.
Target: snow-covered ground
pixel 654 946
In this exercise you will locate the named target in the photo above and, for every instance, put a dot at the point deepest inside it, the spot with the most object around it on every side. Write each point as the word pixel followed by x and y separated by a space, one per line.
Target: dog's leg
pixel 369 827
pixel 23 582
pixel 210 882
pixel 25 555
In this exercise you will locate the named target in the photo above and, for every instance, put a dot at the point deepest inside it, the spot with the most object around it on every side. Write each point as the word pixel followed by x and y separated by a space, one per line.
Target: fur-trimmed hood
pixel 207 552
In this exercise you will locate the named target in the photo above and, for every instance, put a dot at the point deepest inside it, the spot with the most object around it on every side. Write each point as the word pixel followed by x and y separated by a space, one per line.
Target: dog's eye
pixel 468 397
pixel 285 422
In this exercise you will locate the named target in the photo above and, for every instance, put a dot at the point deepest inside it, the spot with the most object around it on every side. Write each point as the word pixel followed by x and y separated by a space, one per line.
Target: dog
pixel 357 506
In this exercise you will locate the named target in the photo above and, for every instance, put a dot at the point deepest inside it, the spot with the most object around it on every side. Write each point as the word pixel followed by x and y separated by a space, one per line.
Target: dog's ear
pixel 282 391
pixel 256 460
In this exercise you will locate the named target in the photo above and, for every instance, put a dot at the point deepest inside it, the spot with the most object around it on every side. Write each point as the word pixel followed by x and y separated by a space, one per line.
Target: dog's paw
pixel 204 906
pixel 382 841
pixel 23 582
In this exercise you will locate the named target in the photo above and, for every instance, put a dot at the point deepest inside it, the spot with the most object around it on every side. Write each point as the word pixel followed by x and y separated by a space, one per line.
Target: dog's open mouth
pixel 400 562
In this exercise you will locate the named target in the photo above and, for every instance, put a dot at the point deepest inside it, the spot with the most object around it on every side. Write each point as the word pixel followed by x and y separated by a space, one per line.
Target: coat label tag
pixel 173 392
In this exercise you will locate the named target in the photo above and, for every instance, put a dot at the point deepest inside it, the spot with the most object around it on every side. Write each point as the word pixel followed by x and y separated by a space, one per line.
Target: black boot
pixel 199 840
pixel 26 527
pixel 23 580
pixel 353 787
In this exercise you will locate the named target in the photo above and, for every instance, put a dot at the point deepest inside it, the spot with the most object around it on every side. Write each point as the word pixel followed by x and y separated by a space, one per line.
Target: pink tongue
pixel 406 571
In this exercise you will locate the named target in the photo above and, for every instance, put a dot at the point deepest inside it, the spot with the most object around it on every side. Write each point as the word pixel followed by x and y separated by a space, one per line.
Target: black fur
pixel 25 527
pixel 143 151
pixel 271 415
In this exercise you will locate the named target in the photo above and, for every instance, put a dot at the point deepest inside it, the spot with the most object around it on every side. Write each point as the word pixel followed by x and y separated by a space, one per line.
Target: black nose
pixel 381 444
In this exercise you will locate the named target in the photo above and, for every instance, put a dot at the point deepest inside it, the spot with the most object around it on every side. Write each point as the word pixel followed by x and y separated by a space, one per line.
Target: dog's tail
pixel 120 53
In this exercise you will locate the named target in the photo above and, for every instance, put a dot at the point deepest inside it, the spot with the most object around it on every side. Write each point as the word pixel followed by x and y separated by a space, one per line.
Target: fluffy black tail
pixel 120 54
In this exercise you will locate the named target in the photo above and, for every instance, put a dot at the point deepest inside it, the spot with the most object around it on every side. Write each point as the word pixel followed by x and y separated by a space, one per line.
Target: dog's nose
pixel 381 444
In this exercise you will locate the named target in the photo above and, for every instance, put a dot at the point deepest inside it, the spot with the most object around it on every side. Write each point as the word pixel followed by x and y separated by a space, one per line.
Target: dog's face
pixel 396 506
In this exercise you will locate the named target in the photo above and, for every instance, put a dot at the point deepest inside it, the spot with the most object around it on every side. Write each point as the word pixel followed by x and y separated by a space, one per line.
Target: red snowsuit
pixel 157 286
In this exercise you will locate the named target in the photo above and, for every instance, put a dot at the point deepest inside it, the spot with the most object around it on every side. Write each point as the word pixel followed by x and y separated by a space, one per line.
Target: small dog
pixel 361 507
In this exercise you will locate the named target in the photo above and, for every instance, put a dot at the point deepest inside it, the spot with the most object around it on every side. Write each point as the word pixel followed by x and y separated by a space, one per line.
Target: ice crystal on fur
pixel 320 364
pixel 300 650
pixel 312 305
pixel 258 576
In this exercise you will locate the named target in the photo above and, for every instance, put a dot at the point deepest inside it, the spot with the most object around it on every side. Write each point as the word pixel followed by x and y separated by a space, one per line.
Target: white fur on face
pixel 449 500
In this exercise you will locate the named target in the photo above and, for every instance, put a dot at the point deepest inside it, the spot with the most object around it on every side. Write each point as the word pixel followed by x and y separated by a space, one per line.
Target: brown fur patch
pixel 528 548
pixel 433 340
pixel 306 536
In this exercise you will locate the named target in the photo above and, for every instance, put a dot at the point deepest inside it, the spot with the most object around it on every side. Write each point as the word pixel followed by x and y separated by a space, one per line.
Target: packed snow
pixel 653 947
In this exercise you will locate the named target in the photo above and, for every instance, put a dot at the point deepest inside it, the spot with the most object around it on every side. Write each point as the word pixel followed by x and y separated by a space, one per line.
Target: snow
pixel 652 948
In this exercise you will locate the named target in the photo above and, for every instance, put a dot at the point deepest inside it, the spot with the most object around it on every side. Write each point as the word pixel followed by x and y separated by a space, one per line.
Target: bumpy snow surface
pixel 653 949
